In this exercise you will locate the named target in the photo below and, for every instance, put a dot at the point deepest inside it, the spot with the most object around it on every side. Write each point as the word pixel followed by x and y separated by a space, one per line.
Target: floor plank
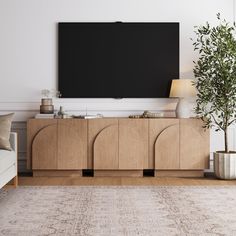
pixel 121 181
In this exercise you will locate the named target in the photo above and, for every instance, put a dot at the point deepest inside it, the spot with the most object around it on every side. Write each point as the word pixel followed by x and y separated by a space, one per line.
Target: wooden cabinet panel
pixel 106 149
pixel 167 149
pixel 133 144
pixel 117 144
pixel 44 148
pixel 72 144
pixel 95 126
pixel 33 127
pixel 194 145
pixel 156 127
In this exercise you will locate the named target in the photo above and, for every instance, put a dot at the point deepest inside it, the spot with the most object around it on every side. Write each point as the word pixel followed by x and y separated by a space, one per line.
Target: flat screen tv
pixel 117 60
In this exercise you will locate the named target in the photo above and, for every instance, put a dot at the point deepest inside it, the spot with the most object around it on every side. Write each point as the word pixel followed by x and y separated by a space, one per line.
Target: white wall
pixel 28 38
pixel 28 47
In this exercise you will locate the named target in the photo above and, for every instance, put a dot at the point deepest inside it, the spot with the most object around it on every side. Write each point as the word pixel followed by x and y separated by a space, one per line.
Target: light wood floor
pixel 159 181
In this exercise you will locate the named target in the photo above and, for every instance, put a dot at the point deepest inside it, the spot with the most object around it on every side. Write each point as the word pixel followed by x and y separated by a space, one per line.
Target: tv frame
pixel 113 97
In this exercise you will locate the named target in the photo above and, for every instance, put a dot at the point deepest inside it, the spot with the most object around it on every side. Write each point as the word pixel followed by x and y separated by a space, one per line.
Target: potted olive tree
pixel 215 73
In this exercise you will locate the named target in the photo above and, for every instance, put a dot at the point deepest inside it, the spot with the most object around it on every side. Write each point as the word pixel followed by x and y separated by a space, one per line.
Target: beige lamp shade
pixel 182 88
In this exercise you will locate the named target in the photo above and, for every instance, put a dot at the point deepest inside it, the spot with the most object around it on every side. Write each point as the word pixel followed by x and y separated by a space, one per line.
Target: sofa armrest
pixel 13 141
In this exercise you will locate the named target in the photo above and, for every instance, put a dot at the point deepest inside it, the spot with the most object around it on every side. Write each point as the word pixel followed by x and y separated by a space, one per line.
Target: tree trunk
pixel 226 140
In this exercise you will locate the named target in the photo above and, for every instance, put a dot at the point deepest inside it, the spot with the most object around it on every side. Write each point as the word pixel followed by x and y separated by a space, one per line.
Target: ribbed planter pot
pixel 225 165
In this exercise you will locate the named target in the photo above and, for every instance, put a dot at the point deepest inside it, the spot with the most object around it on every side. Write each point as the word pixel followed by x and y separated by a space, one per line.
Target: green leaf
pixel 215 74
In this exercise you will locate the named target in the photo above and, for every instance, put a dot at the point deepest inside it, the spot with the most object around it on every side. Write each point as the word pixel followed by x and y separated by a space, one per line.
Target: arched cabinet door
pixel 72 144
pixel 44 148
pixel 33 127
pixel 167 148
pixel 159 143
pixel 133 144
pixel 194 145
pixel 105 149
pixel 95 126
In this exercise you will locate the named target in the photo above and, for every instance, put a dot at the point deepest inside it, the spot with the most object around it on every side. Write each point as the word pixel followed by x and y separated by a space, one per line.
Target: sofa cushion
pixel 5 128
pixel 7 159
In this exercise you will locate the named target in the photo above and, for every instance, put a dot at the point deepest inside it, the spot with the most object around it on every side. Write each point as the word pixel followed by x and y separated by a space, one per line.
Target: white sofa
pixel 8 162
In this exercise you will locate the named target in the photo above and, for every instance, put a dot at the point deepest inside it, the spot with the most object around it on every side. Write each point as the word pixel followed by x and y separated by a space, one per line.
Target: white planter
pixel 225 165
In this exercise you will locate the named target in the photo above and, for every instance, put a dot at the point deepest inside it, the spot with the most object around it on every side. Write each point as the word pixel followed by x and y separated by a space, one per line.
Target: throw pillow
pixel 5 129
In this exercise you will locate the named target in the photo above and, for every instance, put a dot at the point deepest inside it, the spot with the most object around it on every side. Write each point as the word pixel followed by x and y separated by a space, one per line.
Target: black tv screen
pixel 117 60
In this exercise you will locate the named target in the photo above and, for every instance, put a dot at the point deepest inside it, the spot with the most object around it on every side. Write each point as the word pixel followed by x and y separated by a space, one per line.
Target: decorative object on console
pixel 87 116
pixel 148 114
pixel 46 93
pixel 44 116
pixel 182 89
pixel 216 87
pixel 5 129
pixel 46 106
pixel 61 114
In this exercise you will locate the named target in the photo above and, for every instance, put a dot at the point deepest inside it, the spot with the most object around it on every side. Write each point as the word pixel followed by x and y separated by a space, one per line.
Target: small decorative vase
pixel 61 114
pixel 46 106
pixel 225 165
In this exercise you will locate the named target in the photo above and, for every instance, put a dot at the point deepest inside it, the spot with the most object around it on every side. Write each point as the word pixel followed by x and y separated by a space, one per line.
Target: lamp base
pixel 182 109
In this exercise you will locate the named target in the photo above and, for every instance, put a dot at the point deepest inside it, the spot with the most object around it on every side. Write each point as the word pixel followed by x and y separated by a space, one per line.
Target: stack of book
pixel 44 116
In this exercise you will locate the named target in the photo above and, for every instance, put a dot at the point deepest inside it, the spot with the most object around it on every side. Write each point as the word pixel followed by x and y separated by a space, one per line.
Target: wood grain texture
pixel 95 126
pixel 33 127
pixel 44 148
pixel 156 126
pixel 133 144
pixel 194 145
pixel 122 181
pixel 179 173
pixel 15 181
pixel 57 173
pixel 105 149
pixel 72 144
pixel 118 173
pixel 59 144
pixel 167 149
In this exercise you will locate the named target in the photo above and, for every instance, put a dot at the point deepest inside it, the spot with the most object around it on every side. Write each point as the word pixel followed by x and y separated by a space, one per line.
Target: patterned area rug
pixel 108 211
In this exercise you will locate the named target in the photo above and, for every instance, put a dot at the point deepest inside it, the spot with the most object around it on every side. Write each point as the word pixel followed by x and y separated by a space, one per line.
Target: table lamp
pixel 182 89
